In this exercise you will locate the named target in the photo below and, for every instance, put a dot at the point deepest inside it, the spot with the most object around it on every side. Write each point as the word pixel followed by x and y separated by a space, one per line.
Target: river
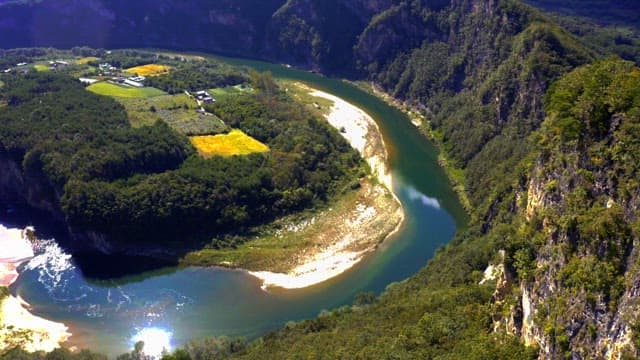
pixel 171 306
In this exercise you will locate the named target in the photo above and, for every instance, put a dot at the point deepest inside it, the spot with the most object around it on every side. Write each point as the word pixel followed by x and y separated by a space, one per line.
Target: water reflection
pixel 156 341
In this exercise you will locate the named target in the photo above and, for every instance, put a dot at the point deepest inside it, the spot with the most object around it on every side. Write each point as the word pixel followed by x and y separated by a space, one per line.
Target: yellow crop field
pixel 234 143
pixel 149 69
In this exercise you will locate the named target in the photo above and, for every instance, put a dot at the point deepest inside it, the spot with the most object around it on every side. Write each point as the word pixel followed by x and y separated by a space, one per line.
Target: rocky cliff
pixel 16 185
pixel 576 270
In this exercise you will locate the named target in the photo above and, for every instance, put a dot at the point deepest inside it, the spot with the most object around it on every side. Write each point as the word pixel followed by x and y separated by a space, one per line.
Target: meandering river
pixel 172 306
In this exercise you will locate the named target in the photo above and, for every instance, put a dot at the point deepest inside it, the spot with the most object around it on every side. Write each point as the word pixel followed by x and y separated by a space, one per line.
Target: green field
pixel 41 67
pixel 220 93
pixel 109 89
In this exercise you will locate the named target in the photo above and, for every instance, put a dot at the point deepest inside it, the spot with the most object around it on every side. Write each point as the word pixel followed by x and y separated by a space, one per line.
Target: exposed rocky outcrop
pixel 578 287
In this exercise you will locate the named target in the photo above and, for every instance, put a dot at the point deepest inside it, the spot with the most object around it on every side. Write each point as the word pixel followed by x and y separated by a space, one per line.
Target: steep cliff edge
pixel 577 262
pixel 35 190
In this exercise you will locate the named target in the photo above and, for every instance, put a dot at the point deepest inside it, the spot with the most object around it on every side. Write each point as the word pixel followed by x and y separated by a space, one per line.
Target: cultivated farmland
pixel 179 111
pixel 234 143
pixel 109 89
pixel 225 92
pixel 149 69
pixel 86 60
pixel 41 67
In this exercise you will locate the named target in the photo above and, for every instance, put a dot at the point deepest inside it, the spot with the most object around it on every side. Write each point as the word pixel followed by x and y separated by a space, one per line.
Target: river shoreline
pixel 313 247
pixel 365 227
pixel 18 326
pixel 418 120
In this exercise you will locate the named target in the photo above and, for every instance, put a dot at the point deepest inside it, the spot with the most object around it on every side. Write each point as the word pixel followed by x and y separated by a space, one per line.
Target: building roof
pixel 132 83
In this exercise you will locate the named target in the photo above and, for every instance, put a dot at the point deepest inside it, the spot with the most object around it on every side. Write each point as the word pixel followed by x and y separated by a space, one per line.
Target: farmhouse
pixel 137 78
pixel 57 64
pixel 107 69
pixel 106 66
pixel 21 64
pixel 87 81
pixel 132 83
pixel 204 96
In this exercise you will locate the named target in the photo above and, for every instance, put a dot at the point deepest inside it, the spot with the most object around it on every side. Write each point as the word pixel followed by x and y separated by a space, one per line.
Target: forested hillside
pixel 74 154
pixel 611 12
pixel 564 240
pixel 605 26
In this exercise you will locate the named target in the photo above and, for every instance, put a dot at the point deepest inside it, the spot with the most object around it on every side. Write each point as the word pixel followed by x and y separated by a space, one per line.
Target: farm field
pixel 86 60
pixel 149 70
pixel 109 89
pixel 41 67
pixel 220 93
pixel 178 111
pixel 234 143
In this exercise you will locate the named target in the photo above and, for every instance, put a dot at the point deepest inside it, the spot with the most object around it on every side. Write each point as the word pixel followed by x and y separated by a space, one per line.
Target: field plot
pixel 221 93
pixel 149 69
pixel 178 111
pixel 86 60
pixel 109 89
pixel 41 67
pixel 234 143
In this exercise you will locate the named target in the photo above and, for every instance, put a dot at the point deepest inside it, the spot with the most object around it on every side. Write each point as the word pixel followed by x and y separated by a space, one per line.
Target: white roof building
pixel 132 83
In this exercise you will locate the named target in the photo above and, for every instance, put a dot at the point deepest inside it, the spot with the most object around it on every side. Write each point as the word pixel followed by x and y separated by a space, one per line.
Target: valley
pixel 532 108
pixel 257 257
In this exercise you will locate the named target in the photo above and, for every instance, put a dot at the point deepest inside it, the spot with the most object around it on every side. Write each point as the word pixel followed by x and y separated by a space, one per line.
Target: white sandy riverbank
pixel 18 327
pixel 351 242
pixel 362 132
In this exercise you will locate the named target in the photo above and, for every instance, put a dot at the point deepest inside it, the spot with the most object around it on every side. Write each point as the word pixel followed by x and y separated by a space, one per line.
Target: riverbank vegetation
pixel 562 217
